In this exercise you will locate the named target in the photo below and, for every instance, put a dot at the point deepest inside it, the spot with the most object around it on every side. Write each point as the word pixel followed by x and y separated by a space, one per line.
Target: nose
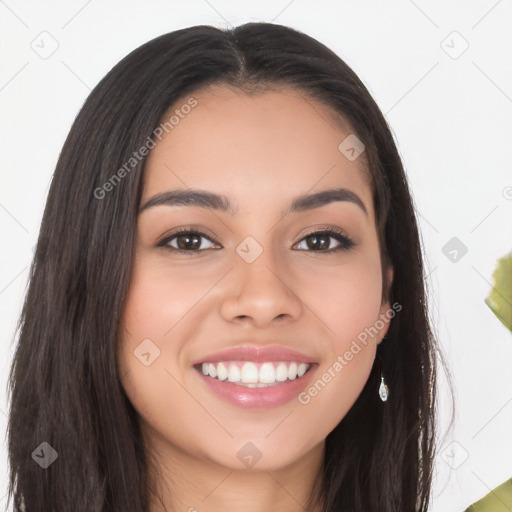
pixel 260 293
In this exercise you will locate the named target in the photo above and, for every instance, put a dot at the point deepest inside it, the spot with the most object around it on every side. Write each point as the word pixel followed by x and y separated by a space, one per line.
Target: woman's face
pixel 254 297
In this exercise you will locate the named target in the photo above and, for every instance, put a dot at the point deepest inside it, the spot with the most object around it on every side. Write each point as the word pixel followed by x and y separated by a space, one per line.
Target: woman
pixel 226 307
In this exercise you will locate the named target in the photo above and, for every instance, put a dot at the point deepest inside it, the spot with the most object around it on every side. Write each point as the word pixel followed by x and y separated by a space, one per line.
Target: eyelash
pixel 346 243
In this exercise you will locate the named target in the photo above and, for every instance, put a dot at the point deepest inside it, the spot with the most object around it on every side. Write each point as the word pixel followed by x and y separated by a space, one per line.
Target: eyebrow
pixel 205 199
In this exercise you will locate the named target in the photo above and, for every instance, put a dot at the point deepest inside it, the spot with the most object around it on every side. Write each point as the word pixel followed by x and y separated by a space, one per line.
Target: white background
pixel 452 121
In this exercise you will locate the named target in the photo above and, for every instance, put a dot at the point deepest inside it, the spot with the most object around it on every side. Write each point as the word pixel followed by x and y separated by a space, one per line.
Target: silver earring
pixel 383 389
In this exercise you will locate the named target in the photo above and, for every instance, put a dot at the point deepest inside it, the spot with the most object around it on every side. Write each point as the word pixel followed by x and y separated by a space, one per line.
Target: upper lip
pixel 256 354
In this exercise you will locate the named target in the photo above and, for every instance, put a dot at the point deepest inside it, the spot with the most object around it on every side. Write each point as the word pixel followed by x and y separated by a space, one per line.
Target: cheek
pixel 160 303
pixel 155 303
pixel 159 297
pixel 160 316
pixel 346 297
pixel 354 304
pixel 347 300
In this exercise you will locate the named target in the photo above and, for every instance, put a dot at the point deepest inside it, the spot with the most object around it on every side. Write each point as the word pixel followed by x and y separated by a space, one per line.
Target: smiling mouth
pixel 254 375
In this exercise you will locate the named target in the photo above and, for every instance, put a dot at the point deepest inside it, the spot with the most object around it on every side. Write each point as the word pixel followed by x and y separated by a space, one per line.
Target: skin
pixel 262 150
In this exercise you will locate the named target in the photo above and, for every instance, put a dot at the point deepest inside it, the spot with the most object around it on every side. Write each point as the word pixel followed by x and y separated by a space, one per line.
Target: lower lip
pixel 258 398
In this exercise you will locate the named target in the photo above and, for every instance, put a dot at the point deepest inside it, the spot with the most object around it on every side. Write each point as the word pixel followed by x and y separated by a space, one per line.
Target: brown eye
pixel 320 241
pixel 185 241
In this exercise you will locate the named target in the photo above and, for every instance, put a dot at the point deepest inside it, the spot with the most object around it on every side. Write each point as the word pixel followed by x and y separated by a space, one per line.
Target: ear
pixel 386 312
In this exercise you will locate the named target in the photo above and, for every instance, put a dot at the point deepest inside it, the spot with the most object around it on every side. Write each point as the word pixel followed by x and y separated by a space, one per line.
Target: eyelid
pixel 187 229
pixel 321 229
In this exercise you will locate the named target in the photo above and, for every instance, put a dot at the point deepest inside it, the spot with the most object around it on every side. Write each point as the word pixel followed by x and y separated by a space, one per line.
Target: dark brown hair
pixel 64 382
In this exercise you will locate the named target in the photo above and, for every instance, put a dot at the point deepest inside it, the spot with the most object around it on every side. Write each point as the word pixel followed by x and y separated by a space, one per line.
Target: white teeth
pixel 267 373
pixel 249 375
pixel 212 371
pixel 302 369
pixel 222 372
pixel 234 373
pixel 281 372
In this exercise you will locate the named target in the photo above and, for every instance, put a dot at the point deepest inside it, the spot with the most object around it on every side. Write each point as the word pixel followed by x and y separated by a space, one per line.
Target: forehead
pixel 270 144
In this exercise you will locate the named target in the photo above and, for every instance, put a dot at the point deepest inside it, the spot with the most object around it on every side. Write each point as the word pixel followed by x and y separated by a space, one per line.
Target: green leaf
pixel 498 500
pixel 500 297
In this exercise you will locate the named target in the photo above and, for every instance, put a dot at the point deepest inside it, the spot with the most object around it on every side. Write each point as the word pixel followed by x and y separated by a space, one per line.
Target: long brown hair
pixel 64 382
